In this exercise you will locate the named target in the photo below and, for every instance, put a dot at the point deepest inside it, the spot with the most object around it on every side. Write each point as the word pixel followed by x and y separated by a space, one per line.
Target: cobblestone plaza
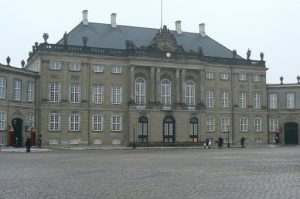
pixel 264 172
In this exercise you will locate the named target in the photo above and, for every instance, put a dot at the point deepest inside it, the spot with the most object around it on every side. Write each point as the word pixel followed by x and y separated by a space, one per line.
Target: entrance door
pixel 169 130
pixel 17 138
pixel 291 133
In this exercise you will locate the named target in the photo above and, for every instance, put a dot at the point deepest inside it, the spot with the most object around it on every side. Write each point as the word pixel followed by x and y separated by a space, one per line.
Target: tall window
pixel 166 93
pixel 116 123
pixel 2 87
pixel 54 65
pixel 242 77
pixel 97 68
pixel 54 122
pixel 224 76
pixel 30 89
pixel 256 78
pixel 224 98
pixel 97 94
pixel 256 100
pixel 209 99
pixel 273 100
pixel 244 124
pixel 54 92
pixel 74 66
pixel 190 93
pixel 140 92
pixel 74 93
pixel 97 123
pixel 243 99
pixel 2 120
pixel 210 124
pixel 74 122
pixel 143 130
pixel 193 129
pixel 209 75
pixel 290 100
pixel 258 124
pixel 116 69
pixel 169 130
pixel 225 123
pixel 116 94
pixel 30 120
pixel 273 125
pixel 17 90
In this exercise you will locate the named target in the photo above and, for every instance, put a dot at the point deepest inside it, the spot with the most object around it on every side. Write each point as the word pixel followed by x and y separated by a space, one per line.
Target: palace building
pixel 109 84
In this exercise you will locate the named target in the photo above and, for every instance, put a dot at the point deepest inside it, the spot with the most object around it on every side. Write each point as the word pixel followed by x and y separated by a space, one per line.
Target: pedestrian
pixel 220 142
pixel 40 141
pixel 28 144
pixel 243 142
pixel 277 138
pixel 206 143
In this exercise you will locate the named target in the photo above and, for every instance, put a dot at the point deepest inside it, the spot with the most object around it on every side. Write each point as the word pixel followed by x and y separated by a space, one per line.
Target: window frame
pixel 116 94
pixel 3 87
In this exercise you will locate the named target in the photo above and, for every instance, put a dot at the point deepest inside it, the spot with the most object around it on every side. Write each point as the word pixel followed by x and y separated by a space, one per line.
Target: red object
pixel 10 136
pixel 33 136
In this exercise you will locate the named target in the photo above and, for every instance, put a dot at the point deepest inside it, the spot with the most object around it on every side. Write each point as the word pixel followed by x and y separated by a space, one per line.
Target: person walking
pixel 220 142
pixel 40 141
pixel 28 144
pixel 206 143
pixel 243 142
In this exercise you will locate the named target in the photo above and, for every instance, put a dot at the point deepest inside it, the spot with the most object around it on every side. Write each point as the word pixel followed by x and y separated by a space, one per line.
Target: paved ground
pixel 259 173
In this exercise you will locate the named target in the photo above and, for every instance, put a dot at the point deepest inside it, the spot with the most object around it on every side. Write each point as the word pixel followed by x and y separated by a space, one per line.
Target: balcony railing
pixel 45 47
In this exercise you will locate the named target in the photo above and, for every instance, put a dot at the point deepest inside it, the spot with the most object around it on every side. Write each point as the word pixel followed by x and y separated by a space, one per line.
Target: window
pixel 256 78
pixel 2 87
pixel 224 76
pixel 258 140
pixel 225 122
pixel 256 100
pixel 74 66
pixel 244 124
pixel 97 123
pixel 54 122
pixel 209 75
pixel 74 93
pixel 116 94
pixel 209 102
pixel 54 65
pixel 116 123
pixel 143 130
pixel 2 120
pixel 193 129
pixel 257 124
pixel 54 92
pixel 97 94
pixel 210 124
pixel 290 100
pixel 140 92
pixel 17 90
pixel 166 93
pixel 273 125
pixel 30 120
pixel 30 89
pixel 116 69
pixel 242 77
pixel 74 122
pixel 273 100
pixel 190 93
pixel 169 130
pixel 97 68
pixel 243 99
pixel 224 98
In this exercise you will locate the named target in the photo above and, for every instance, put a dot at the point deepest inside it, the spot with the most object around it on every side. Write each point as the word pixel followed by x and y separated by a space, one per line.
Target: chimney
pixel 178 27
pixel 85 17
pixel 202 29
pixel 113 20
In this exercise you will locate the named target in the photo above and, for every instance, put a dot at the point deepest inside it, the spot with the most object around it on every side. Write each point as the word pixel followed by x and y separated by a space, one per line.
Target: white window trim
pixel 3 84
pixel 75 92
pixel 210 122
pixel 257 100
pixel 97 68
pixel 243 99
pixel 244 124
pixel 56 92
pixel 225 99
pixel 225 124
pixel 257 126
pixel 98 91
pixel 120 123
pixel 101 123
pixel 3 121
pixel 166 98
pixel 273 101
pixel 209 99
pixel 58 122
pixel 116 97
pixel 74 66
pixel 116 69
pixel 224 76
pixel 17 89
pixel 190 93
pixel 54 65
pixel 73 129
pixel 140 92
pixel 290 101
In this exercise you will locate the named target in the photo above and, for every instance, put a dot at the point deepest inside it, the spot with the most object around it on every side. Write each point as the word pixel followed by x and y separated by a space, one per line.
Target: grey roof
pixel 105 36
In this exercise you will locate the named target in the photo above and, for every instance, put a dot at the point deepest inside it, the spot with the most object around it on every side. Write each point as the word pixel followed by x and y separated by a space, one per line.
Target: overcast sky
pixel 269 26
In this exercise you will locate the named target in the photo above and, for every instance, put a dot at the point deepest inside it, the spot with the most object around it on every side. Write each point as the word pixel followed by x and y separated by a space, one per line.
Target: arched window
pixel 140 92
pixel 190 93
pixel 143 130
pixel 169 130
pixel 193 129
pixel 166 93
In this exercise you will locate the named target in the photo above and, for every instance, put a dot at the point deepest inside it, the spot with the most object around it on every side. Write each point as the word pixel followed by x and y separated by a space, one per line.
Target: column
pixel 132 83
pixel 177 82
pixel 157 85
pixel 202 91
pixel 152 84
pixel 183 86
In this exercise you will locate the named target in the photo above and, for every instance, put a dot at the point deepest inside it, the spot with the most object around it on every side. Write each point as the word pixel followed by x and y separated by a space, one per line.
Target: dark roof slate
pixel 104 36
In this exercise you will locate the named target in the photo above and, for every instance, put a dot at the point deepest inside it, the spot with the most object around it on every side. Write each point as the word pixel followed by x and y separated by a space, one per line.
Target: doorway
pixel 291 133
pixel 17 138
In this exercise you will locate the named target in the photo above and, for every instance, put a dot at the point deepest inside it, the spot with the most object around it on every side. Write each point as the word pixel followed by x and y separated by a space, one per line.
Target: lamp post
pixel 228 142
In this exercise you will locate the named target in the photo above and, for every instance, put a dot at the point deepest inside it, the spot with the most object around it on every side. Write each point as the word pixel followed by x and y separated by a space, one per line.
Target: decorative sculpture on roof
pixel 8 60
pixel 130 45
pixel 65 38
pixel 234 53
pixel 84 40
pixel 262 56
pixel 164 41
pixel 45 36
pixel 248 54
